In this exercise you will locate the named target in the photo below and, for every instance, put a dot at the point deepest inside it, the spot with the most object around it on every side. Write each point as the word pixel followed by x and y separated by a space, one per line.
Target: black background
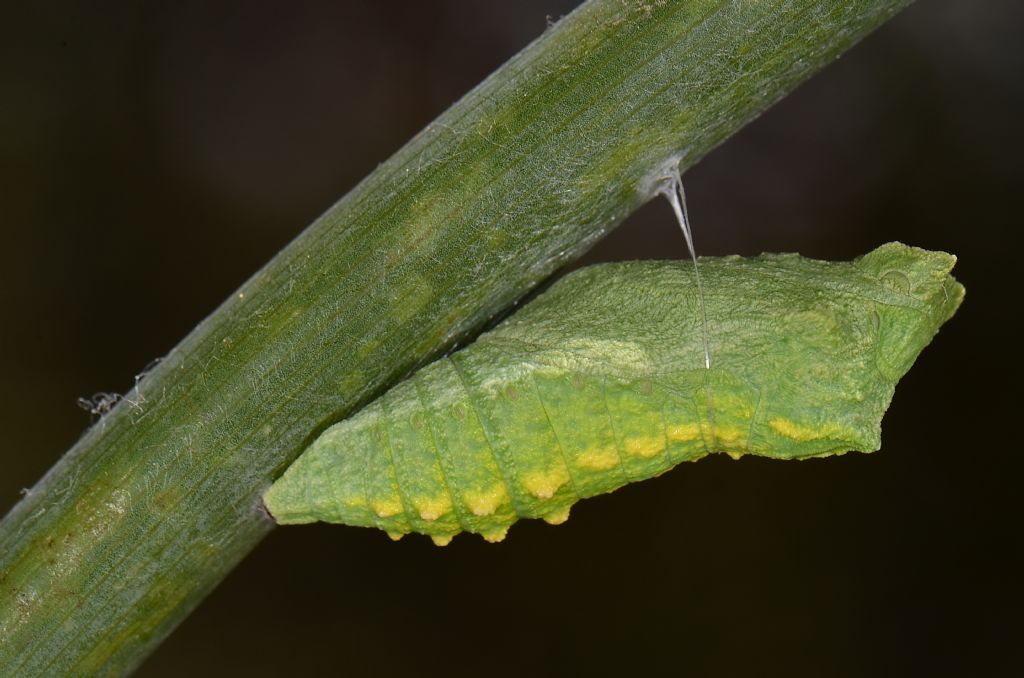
pixel 153 156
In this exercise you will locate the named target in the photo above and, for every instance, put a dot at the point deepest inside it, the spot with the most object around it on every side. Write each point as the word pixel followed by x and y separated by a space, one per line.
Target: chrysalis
pixel 602 381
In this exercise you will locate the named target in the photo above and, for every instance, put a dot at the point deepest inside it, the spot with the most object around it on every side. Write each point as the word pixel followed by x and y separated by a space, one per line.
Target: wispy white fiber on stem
pixel 677 198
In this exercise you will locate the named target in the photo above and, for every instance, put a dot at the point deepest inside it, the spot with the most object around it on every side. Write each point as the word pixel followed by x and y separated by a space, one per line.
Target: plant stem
pixel 160 499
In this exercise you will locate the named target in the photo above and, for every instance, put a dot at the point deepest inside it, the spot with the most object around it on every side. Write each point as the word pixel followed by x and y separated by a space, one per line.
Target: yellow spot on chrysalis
pixel 802 433
pixel 432 509
pixel 730 436
pixel 385 508
pixel 495 535
pixel 487 502
pixel 557 517
pixel 441 539
pixel 683 433
pixel 598 460
pixel 544 485
pixel 644 447
pixel 395 536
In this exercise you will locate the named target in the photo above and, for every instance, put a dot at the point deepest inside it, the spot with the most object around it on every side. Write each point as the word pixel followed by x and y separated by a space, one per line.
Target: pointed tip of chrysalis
pixel 918 273
pixel 922 277
pixel 283 505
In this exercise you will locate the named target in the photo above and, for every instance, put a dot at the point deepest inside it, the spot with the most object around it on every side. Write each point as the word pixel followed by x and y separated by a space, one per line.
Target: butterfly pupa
pixel 601 381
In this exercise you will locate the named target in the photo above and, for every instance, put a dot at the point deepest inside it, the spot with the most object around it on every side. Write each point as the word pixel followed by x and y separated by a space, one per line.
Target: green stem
pixel 160 499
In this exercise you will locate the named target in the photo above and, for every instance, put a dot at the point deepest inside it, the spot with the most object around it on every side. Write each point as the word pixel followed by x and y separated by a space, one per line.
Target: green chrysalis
pixel 601 381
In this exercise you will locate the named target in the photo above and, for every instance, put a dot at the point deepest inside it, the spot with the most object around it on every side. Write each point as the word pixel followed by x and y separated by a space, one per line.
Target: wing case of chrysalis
pixel 602 381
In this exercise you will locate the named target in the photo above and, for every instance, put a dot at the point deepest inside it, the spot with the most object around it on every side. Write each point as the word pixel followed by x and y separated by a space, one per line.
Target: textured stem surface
pixel 160 499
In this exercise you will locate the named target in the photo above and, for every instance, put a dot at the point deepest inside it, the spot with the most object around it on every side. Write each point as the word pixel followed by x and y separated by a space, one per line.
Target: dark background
pixel 152 157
